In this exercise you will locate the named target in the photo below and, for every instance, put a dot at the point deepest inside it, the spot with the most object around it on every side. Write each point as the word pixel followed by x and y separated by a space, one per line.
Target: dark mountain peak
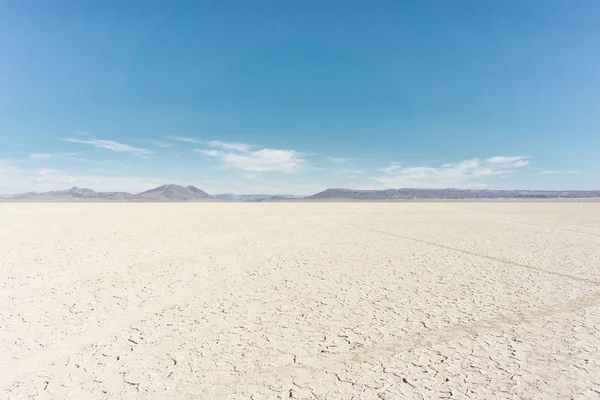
pixel 162 188
pixel 174 193
pixel 194 189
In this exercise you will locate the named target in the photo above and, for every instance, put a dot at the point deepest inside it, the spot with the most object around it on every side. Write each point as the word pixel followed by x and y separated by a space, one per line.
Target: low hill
pixel 433 194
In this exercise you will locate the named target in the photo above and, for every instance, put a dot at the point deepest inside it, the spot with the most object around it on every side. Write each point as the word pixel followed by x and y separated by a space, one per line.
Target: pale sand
pixel 292 300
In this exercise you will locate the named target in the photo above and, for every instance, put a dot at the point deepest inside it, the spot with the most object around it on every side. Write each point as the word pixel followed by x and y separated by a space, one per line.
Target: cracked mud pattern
pixel 300 300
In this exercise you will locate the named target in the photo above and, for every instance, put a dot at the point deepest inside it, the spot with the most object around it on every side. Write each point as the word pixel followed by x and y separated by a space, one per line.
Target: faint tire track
pixel 442 246
pixel 550 228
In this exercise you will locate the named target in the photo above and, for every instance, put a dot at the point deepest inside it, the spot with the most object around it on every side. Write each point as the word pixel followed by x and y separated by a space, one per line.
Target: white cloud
pixel 184 139
pixel 41 156
pixel 264 160
pixel 460 174
pixel 241 156
pixel 217 144
pixel 111 145
pixel 566 172
pixel 210 153
pixel 467 164
pixel 516 161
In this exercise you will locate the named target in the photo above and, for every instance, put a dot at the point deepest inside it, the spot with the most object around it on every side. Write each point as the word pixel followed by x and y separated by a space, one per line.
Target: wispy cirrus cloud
pixel 217 144
pixel 559 172
pixel 184 139
pixel 110 145
pixel 464 173
pixel 241 156
pixel 40 157
pixel 516 161
pixel 209 152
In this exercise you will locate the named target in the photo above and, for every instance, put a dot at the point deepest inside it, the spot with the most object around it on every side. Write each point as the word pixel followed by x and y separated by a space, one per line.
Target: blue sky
pixel 298 96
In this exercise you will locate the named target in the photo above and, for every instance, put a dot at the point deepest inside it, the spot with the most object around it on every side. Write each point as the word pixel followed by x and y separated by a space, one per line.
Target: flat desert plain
pixel 300 300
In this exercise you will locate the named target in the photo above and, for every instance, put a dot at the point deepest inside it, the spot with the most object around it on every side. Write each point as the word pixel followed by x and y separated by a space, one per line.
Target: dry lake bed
pixel 300 300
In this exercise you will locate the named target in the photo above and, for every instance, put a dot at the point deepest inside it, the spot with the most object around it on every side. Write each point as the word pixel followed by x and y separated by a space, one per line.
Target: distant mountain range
pixel 164 193
pixel 161 193
pixel 456 194
pixel 177 193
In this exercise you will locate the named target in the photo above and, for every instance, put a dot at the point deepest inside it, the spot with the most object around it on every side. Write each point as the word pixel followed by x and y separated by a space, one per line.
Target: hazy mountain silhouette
pixel 173 193
pixel 161 193
pixel 419 194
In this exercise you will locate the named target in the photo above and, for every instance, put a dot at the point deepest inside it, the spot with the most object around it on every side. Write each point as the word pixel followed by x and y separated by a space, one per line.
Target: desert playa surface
pixel 300 300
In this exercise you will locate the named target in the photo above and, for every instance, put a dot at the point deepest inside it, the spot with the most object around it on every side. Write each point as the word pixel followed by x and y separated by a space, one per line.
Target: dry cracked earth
pixel 300 301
